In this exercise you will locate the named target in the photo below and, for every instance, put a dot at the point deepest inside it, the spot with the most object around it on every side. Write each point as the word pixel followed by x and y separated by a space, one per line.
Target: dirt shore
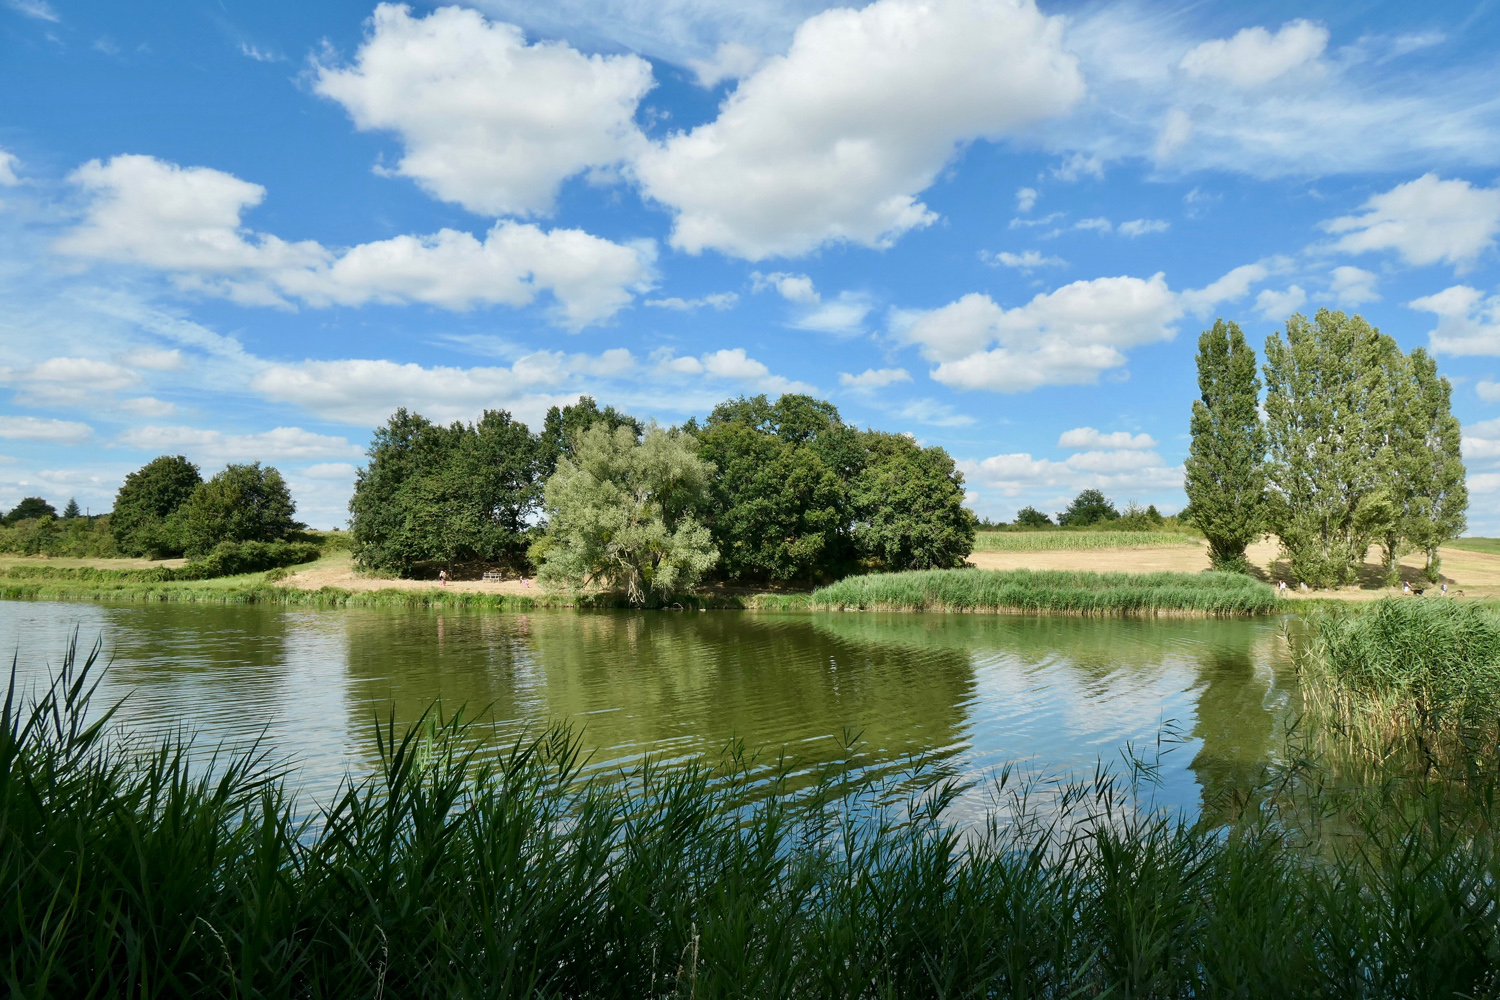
pixel 338 571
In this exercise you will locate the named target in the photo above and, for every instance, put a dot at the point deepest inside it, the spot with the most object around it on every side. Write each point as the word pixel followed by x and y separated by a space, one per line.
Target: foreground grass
pixel 1056 591
pixel 1044 541
pixel 452 873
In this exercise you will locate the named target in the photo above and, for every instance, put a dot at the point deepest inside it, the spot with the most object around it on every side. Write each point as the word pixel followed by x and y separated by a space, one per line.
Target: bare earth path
pixel 338 570
pixel 1477 574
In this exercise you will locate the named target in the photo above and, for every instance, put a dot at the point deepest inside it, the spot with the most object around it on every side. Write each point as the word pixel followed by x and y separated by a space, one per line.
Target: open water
pixel 967 693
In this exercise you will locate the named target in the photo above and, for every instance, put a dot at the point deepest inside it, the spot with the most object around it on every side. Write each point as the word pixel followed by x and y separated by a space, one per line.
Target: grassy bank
pixel 126 873
pixel 1056 540
pixel 1052 591
pixel 86 584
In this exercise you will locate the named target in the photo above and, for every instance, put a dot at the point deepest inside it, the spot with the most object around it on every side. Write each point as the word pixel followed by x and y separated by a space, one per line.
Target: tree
pixel 1226 466
pixel 243 503
pixel 625 513
pixel 908 504
pixel 1329 410
pixel 1088 507
pixel 1030 517
pixel 142 520
pixel 451 493
pixel 777 509
pixel 1440 494
pixel 71 510
pixel 560 426
pixel 30 509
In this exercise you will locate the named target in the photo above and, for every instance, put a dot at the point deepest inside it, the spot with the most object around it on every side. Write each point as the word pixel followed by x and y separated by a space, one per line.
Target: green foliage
pixel 908 502
pixel 236 558
pixel 72 510
pixel 1330 407
pixel 1432 492
pixel 143 520
pixel 455 871
pixel 625 513
pixel 243 503
pixel 561 426
pixel 1137 518
pixel 30 509
pixel 1061 591
pixel 79 537
pixel 457 493
pixel 1044 541
pixel 1226 471
pixel 1030 517
pixel 1088 507
pixel 778 510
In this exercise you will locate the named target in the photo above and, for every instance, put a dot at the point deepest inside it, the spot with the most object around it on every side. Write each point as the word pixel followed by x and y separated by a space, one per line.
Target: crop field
pixel 1045 541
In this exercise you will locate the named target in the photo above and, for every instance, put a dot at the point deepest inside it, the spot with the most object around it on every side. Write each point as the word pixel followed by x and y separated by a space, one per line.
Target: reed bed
pixel 456 873
pixel 1404 676
pixel 1051 591
pixel 1049 541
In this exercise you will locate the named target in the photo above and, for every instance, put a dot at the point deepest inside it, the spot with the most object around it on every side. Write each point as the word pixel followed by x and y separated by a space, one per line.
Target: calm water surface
pixel 972 692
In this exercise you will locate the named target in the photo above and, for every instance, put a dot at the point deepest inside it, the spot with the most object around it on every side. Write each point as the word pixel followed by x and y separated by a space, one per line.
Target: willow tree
pixel 1329 408
pixel 1226 465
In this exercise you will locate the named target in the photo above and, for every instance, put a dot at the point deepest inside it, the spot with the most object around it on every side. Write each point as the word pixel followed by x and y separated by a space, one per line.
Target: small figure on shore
pixel 1445 589
pixel 526 583
pixel 1302 586
pixel 442 578
pixel 1405 587
pixel 1281 586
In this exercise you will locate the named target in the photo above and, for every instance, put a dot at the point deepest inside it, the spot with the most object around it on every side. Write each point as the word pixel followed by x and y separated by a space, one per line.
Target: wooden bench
pixel 493 574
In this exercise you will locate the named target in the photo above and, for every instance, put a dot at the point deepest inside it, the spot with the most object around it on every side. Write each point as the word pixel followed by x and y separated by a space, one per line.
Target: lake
pixel 970 693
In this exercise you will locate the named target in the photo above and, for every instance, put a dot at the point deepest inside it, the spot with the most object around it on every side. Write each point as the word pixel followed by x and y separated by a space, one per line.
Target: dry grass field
pixel 1477 574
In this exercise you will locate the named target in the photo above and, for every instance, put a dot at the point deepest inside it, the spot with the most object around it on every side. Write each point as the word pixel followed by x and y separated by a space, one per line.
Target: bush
pixel 235 558
pixel 78 538
pixel 1030 517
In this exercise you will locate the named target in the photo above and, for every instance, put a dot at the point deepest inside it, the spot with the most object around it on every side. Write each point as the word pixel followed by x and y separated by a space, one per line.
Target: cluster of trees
pixel 760 490
pixel 33 527
pixel 166 508
pixel 1091 507
pixel 1357 445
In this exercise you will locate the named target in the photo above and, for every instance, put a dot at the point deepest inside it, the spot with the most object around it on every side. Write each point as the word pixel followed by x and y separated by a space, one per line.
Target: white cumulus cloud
pixel 486 120
pixel 874 378
pixel 1468 320
pixel 278 444
pixel 1140 227
pixel 1089 439
pixel 1426 220
pixel 1277 306
pixel 1353 286
pixel 44 429
pixel 1065 337
pixel 1254 56
pixel 835 140
pixel 186 222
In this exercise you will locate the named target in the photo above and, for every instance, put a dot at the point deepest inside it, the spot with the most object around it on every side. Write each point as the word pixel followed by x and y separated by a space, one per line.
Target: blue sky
pixel 240 231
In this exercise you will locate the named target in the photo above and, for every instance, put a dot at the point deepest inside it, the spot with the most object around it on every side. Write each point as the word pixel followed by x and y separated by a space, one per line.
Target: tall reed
pixel 1056 591
pixel 1404 674
pixel 452 872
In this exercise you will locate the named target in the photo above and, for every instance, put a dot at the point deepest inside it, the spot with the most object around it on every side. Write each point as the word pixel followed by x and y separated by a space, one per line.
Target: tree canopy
pixel 243 503
pixel 142 519
pixel 1226 470
pixel 1030 517
pixel 1088 507
pixel 625 513
pixel 456 493
pixel 29 509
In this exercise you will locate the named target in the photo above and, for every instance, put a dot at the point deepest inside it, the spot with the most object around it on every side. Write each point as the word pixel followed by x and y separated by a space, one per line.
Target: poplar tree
pixel 1440 492
pixel 1226 473
pixel 1329 409
pixel 1405 436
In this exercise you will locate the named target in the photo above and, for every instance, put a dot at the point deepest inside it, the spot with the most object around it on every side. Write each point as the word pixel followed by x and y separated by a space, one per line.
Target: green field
pixel 1055 591
pixel 1043 541
pixel 1489 546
